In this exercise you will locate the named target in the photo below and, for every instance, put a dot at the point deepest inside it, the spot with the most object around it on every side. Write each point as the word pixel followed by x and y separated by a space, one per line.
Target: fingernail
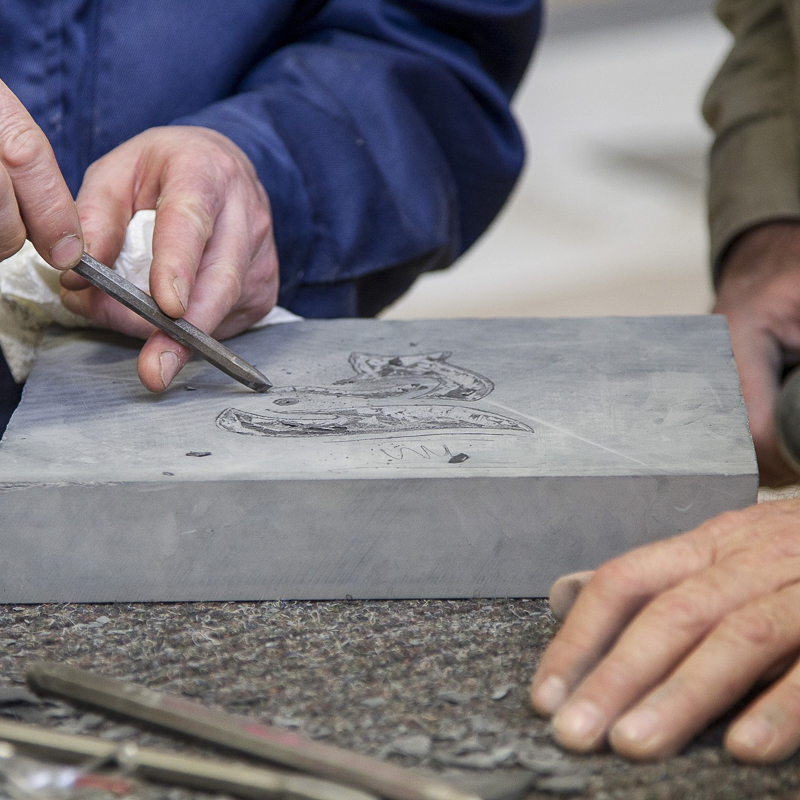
pixel 66 253
pixel 579 723
pixel 182 291
pixel 638 727
pixel 755 735
pixel 550 695
pixel 169 366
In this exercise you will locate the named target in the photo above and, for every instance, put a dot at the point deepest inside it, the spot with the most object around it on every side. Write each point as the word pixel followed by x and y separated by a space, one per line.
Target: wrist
pixel 760 252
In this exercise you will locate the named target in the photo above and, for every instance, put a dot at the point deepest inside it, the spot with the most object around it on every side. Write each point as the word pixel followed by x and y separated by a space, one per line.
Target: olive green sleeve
pixel 751 106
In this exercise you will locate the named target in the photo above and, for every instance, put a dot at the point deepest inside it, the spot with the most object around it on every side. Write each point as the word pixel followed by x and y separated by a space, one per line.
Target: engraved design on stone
pixel 410 377
pixel 366 419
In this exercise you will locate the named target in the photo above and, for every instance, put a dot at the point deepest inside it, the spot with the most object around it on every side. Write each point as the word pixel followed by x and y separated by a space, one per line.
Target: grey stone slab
pixel 392 459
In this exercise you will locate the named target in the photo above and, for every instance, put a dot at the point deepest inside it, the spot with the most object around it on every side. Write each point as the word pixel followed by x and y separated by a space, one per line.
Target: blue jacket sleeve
pixel 383 136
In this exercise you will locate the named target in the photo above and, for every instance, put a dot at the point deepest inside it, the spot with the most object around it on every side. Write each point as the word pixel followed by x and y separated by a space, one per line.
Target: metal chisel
pixel 240 734
pixel 209 774
pixel 131 296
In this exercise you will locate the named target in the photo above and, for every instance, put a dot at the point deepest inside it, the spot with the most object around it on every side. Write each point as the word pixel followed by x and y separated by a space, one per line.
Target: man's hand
pixel 759 292
pixel 35 202
pixel 663 640
pixel 214 256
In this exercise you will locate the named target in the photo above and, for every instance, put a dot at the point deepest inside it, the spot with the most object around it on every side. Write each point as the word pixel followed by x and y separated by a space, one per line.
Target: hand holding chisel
pixel 131 296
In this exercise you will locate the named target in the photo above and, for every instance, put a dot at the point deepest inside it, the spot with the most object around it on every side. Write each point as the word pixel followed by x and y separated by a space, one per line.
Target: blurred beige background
pixel 609 216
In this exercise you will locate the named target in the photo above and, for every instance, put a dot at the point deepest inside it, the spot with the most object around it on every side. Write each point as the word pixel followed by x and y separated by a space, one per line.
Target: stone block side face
pixel 392 459
pixel 332 539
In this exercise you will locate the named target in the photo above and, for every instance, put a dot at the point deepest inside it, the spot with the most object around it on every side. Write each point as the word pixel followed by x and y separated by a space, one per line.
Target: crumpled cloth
pixel 30 301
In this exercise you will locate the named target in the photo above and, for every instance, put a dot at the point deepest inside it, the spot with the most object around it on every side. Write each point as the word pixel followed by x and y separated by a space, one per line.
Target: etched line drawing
pixel 366 419
pixel 447 381
pixel 385 377
pixel 407 377
pixel 425 452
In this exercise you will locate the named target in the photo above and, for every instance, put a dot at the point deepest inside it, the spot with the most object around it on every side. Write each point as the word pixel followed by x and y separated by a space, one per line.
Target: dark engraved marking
pixel 430 369
pixel 366 419
pixel 386 377
pixel 379 378
pixel 423 452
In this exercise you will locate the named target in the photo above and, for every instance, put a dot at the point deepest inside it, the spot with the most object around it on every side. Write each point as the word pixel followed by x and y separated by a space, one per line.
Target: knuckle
pixel 11 243
pixel 22 145
pixel 261 230
pixel 752 626
pixel 682 610
pixel 617 577
pixel 227 165
pixel 229 283
pixel 197 212
pixel 94 169
pixel 726 521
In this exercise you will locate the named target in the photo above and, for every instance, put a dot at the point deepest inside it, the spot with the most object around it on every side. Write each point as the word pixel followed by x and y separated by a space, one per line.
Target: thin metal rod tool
pixel 240 734
pixel 180 330
pixel 240 780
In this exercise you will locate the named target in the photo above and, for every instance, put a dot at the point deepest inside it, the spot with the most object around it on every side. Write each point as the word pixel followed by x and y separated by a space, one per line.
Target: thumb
pixel 787 420
pixel 759 361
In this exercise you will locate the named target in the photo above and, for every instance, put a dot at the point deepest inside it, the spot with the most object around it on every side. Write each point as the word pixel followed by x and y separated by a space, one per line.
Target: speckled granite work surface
pixel 434 685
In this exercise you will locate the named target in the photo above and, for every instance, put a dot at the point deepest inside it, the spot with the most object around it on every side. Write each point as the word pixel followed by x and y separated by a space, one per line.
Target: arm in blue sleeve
pixel 383 136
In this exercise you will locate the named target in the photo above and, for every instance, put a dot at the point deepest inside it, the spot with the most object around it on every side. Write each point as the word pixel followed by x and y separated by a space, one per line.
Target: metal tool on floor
pixel 239 734
pixel 131 296
pixel 239 780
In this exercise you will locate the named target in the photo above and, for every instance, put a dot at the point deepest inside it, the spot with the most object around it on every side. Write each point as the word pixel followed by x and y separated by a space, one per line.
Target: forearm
pixel 384 141
pixel 754 172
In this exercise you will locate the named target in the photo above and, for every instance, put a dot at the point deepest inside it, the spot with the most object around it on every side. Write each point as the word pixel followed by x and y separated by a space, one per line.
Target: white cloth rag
pixel 30 301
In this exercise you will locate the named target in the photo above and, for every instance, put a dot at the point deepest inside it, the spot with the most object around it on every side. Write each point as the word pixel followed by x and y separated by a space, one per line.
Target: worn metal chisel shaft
pixel 240 734
pixel 239 780
pixel 131 296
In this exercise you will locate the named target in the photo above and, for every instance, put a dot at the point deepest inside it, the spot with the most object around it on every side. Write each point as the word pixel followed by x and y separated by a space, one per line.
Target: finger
pixel 12 229
pixel 564 592
pixel 106 312
pixel 106 205
pixel 662 634
pixel 45 203
pixel 160 360
pixel 717 674
pixel 655 642
pixel 185 220
pixel 216 290
pixel 767 731
pixel 616 592
pixel 72 282
pixel 760 362
pixel 259 289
